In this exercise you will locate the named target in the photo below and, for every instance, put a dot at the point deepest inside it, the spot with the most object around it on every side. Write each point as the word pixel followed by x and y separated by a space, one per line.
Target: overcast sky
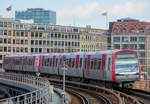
pixel 83 12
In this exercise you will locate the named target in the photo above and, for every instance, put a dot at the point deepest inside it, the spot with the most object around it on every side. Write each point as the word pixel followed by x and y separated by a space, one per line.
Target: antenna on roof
pixel 74 21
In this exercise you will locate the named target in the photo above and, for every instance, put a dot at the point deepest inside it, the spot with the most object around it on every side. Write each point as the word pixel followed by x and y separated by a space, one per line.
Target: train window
pixel 92 63
pixel 73 61
pixel 69 62
pixel 29 62
pixel 85 65
pixel 56 61
pixel 80 62
pixel 99 63
pixel 95 63
pixel 109 63
pixel 45 62
pixel 88 63
pixel 60 62
pixel 50 61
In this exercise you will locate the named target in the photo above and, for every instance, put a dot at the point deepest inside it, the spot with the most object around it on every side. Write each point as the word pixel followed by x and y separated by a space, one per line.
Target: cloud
pixel 82 11
pixel 90 12
pixel 130 8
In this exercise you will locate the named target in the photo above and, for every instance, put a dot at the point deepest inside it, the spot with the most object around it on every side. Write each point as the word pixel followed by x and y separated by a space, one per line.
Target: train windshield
pixel 126 64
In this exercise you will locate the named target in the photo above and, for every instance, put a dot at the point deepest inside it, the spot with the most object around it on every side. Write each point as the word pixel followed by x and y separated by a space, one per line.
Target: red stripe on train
pixel 113 67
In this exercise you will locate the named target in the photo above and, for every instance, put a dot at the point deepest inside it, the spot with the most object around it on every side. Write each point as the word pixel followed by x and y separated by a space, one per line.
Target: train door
pixel 37 63
pixel 108 67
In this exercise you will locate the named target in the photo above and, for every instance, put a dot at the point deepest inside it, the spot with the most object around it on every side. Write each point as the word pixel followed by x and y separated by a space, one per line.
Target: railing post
pixel 25 99
pixel 36 98
pixel 18 100
pixel 31 98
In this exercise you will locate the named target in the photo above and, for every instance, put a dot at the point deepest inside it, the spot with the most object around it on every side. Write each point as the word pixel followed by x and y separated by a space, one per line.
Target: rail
pixel 83 99
pixel 40 95
pixel 101 90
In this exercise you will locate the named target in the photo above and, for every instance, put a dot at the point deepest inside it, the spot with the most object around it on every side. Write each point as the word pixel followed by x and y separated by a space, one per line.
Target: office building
pixel 38 15
pixel 25 38
pixel 132 34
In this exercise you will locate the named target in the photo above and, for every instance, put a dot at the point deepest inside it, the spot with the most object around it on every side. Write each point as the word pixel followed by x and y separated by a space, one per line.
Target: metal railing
pixel 40 95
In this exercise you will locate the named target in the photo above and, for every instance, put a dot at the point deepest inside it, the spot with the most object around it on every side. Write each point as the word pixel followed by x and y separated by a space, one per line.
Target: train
pixel 111 65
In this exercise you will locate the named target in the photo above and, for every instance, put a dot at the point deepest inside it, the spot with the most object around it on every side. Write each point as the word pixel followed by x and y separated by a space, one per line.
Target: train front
pixel 127 66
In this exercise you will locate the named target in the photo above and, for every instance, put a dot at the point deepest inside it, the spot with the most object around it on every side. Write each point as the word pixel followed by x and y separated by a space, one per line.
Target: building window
pixel 141 46
pixel 40 35
pixel 116 39
pixel 1 57
pixel 55 35
pixel 115 31
pixel 0 65
pixel 48 42
pixel 26 49
pixel 5 41
pixel 133 31
pixel 124 31
pixel 133 46
pixel 36 50
pixel 133 39
pixel 5 49
pixel 44 42
pixel 36 34
pixel 13 41
pixel 22 42
pixel 32 42
pixel 5 32
pixel 32 50
pixel 52 43
pixel 17 41
pixel 17 49
pixel 1 24
pixel 142 54
pixel 125 39
pixel 40 42
pixel 32 34
pixel 1 32
pixel 1 40
pixel 52 35
pixel 22 33
pixel 141 31
pixel 21 49
pixel 142 61
pixel 9 24
pixel 125 46
pixel 9 33
pixel 17 33
pixel 1 49
pixel 142 39
pixel 40 50
pixel 26 34
pixel 9 41
pixel 26 41
pixel 9 49
pixel 116 46
pixel 55 43
pixel 14 49
pixel 5 24
pixel 149 31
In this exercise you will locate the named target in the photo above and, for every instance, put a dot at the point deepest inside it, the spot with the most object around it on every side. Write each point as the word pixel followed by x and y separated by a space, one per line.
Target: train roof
pixel 81 53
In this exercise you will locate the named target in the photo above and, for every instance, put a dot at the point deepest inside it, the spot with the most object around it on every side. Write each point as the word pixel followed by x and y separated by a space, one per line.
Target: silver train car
pixel 111 65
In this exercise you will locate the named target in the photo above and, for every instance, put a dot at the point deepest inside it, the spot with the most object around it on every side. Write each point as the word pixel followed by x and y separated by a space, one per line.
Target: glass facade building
pixel 38 15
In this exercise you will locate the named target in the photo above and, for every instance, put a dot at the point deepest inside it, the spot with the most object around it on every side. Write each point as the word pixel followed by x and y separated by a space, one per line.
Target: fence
pixel 40 95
